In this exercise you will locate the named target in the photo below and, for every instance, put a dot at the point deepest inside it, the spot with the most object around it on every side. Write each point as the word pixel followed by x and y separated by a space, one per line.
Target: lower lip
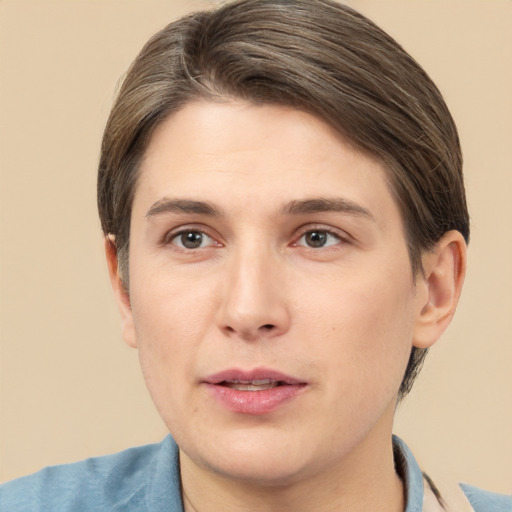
pixel 255 402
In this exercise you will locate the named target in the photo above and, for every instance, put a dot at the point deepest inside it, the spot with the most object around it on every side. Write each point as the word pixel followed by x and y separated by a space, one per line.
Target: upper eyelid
pixel 175 237
pixel 171 234
pixel 337 232
pixel 297 233
pixel 337 239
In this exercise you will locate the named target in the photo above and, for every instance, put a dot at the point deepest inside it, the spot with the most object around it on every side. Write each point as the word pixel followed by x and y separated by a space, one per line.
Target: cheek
pixel 170 318
pixel 169 305
pixel 167 334
pixel 363 328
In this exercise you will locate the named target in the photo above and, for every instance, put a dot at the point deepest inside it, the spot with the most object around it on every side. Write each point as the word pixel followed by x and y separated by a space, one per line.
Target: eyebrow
pixel 182 206
pixel 296 207
pixel 319 205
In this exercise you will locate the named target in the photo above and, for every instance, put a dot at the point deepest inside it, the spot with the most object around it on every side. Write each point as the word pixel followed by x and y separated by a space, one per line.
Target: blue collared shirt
pixel 146 479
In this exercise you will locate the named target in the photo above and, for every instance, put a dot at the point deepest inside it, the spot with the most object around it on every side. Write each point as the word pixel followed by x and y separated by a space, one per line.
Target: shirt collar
pixel 411 475
pixel 165 489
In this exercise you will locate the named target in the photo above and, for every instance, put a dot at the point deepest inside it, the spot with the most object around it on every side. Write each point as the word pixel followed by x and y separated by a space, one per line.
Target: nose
pixel 254 304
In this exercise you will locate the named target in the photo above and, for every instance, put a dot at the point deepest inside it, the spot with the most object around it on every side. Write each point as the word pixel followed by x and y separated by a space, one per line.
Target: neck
pixel 364 480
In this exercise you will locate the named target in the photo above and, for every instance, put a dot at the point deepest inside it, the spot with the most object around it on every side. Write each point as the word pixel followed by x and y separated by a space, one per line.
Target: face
pixel 271 295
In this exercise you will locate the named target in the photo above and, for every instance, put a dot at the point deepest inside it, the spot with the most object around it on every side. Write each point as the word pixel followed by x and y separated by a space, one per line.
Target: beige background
pixel 69 388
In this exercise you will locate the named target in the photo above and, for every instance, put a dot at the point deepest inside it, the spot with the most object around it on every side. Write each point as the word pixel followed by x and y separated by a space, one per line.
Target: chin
pixel 261 473
pixel 265 460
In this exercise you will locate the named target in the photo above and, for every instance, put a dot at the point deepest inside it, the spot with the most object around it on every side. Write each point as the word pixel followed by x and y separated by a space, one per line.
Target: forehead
pixel 264 155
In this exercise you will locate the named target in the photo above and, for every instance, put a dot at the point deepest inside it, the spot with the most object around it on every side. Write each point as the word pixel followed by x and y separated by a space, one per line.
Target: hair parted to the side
pixel 318 56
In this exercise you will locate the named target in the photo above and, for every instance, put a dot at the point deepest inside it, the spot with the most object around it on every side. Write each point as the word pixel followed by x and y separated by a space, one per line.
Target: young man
pixel 281 193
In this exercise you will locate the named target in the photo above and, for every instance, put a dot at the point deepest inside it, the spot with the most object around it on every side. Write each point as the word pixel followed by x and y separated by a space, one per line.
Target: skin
pixel 260 290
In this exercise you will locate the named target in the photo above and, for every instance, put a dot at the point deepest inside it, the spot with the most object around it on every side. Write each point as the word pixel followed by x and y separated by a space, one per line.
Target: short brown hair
pixel 314 55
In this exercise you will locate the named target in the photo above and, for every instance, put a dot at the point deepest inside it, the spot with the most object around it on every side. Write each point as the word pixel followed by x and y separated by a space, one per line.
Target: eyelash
pixel 323 238
pixel 342 238
pixel 172 237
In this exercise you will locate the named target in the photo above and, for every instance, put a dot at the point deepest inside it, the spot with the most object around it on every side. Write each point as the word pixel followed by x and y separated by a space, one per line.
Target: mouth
pixel 254 392
pixel 252 385
pixel 252 380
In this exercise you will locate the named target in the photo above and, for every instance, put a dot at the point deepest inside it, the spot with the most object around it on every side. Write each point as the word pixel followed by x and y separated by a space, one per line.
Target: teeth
pixel 253 385
pixel 262 382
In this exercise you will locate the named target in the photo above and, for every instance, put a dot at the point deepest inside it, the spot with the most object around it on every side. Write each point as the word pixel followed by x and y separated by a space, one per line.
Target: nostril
pixel 268 327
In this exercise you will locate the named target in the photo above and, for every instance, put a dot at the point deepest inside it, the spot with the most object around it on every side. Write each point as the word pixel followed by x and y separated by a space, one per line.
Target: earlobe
pixel 439 288
pixel 120 292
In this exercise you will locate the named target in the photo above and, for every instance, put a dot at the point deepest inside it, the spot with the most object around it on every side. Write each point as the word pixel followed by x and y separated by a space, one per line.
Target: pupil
pixel 192 239
pixel 316 238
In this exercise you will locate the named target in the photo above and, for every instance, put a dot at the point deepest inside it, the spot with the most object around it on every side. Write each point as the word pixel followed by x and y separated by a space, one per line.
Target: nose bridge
pixel 254 302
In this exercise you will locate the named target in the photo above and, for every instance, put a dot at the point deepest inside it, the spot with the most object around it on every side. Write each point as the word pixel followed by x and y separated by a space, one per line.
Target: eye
pixel 191 239
pixel 318 238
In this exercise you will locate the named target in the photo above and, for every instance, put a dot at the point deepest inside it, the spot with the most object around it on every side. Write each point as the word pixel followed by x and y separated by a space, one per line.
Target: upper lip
pixel 248 376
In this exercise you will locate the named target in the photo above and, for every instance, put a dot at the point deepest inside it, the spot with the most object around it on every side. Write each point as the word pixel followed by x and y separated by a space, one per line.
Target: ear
pixel 439 288
pixel 120 292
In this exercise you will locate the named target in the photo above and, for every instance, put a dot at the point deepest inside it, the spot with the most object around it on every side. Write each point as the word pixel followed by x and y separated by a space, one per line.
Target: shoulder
pixel 112 482
pixel 419 487
pixel 485 501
